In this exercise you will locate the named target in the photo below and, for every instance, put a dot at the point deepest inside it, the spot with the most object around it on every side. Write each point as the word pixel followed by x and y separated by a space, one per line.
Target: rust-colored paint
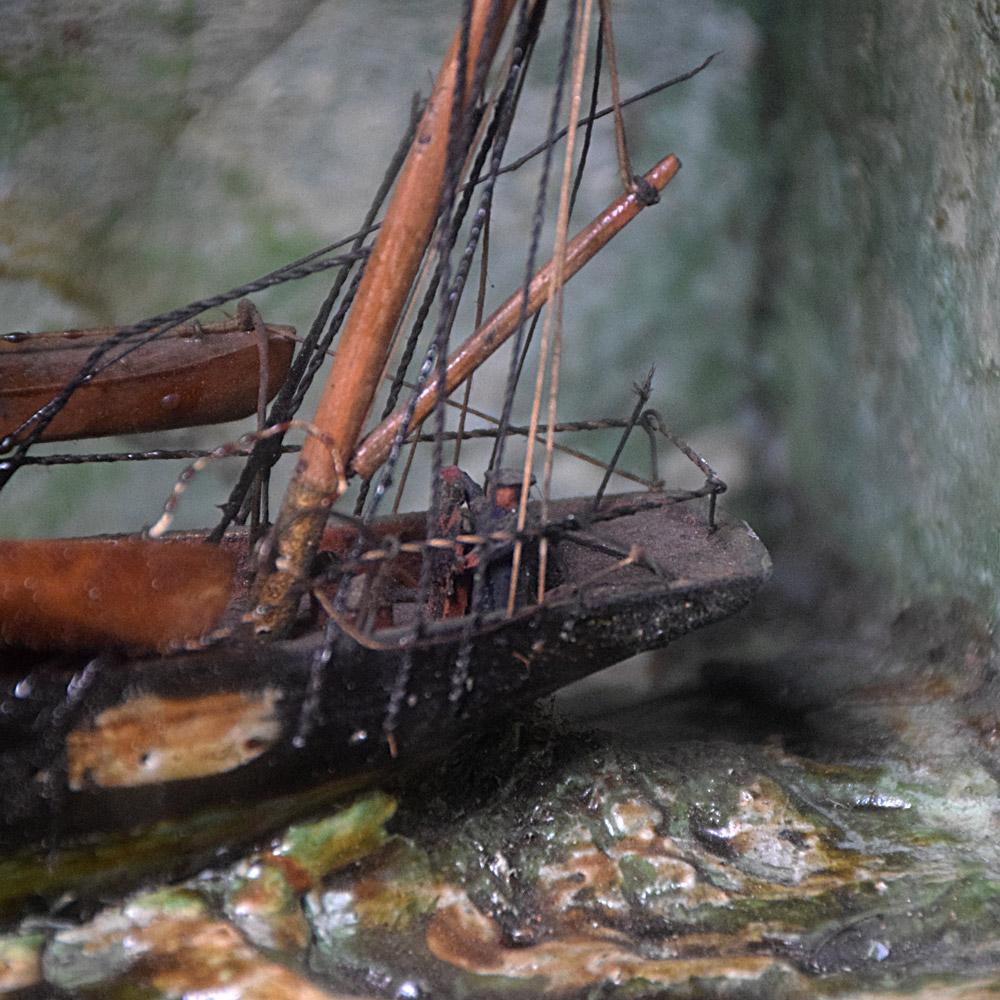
pixel 461 935
pixel 149 739
pixel 96 592
pixel 196 955
pixel 191 376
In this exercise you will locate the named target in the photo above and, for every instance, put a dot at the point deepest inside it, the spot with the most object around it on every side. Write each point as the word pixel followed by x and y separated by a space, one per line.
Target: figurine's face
pixel 507 497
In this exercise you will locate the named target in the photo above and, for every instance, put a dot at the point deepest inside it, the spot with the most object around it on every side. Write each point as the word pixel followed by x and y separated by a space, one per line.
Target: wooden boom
pixel 191 376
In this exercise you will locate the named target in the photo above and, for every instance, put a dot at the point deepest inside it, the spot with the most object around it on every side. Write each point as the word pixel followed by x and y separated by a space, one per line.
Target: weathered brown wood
pixel 191 376
pixel 367 335
pixel 92 593
pixel 372 452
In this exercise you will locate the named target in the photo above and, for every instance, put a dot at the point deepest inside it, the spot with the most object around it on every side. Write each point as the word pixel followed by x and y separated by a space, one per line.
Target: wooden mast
pixel 367 335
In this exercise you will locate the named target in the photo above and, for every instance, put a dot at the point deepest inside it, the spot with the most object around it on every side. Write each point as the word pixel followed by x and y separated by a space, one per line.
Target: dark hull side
pixel 97 765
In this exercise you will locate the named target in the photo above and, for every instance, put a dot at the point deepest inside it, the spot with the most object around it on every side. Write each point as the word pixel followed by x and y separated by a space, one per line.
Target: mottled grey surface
pixel 881 342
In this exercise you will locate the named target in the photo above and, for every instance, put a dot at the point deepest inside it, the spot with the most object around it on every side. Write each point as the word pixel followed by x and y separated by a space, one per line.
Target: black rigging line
pixel 495 138
pixel 180 454
pixel 536 231
pixel 463 660
pixel 409 348
pixel 588 132
pixel 315 345
pixel 603 113
pixel 580 168
pixel 458 140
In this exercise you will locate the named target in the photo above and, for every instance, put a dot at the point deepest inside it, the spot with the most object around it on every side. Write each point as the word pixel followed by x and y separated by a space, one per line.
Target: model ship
pixel 158 684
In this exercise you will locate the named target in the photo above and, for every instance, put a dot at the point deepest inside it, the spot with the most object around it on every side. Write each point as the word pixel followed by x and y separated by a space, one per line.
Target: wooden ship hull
pixel 107 764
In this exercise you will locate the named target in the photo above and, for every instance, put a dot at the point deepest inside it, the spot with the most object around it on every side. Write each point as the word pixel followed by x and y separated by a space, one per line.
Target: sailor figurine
pixel 493 510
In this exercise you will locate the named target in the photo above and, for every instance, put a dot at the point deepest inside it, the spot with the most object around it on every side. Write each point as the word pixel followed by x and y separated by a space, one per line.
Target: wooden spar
pixel 374 450
pixel 129 592
pixel 366 339
pixel 192 376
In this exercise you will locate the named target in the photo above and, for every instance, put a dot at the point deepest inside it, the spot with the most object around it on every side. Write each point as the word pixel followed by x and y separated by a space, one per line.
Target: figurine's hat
pixel 507 477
